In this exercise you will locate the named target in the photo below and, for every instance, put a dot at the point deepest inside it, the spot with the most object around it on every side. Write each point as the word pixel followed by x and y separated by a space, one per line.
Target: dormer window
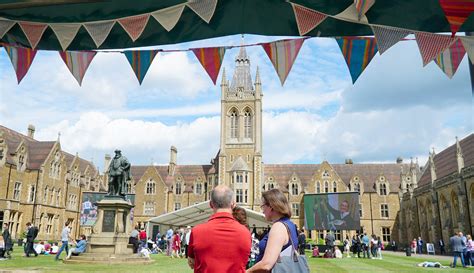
pixel 178 188
pixel 294 189
pixel 383 189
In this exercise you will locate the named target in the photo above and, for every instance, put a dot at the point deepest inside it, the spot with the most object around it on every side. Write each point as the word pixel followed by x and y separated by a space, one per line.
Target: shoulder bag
pixel 294 263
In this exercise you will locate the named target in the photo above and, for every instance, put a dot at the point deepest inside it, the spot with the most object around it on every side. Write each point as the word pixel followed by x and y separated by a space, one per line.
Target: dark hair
pixel 240 214
pixel 275 199
pixel 28 224
pixel 83 237
pixel 66 224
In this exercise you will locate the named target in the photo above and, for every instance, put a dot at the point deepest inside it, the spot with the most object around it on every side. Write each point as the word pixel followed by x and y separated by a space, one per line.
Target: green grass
pixel 390 263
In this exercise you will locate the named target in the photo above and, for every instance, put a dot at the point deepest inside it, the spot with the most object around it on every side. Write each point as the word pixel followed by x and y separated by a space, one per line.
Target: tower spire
pixel 257 77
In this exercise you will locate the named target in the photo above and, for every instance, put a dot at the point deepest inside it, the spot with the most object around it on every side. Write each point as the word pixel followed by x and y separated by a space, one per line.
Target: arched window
pixel 58 198
pixel 334 186
pixel 234 124
pixel 45 195
pixel 178 188
pixel 326 186
pixel 247 124
pixel 294 189
pixel 454 209
pixel 150 187
pixel 318 187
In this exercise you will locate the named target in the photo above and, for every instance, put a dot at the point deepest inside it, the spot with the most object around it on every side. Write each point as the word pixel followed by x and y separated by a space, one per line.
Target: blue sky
pixel 396 108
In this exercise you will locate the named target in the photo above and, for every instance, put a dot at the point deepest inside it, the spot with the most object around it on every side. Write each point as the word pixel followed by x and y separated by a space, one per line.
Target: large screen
pixel 89 208
pixel 332 211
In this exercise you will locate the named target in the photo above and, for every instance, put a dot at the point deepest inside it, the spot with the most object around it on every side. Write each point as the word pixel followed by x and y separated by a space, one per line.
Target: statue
pixel 119 174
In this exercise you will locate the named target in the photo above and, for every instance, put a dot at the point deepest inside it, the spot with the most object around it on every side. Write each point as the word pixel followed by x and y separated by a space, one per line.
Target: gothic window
pixel 318 187
pixel 52 196
pixel 45 195
pixel 454 209
pixel 49 225
pixel 150 187
pixel 383 189
pixel 178 188
pixel 334 186
pixel 294 189
pixel 234 124
pixel 198 188
pixel 32 193
pixel 248 124
pixel 326 186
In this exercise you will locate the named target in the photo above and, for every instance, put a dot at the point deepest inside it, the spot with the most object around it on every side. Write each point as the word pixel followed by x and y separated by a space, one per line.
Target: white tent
pixel 200 213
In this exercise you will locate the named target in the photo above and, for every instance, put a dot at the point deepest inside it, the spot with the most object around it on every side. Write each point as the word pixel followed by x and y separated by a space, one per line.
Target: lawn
pixel 390 263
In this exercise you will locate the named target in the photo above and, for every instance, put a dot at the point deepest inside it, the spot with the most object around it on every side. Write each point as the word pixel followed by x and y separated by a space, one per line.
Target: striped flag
pixel 386 37
pixel 431 45
pixel 211 59
pixel 363 6
pixel 358 52
pixel 457 11
pixel 77 62
pixel 307 19
pixel 283 54
pixel 140 61
pixel 468 43
pixel 21 59
pixel 450 59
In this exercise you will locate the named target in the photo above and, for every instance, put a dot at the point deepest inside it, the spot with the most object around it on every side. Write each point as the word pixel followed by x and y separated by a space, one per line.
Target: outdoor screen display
pixel 89 209
pixel 332 211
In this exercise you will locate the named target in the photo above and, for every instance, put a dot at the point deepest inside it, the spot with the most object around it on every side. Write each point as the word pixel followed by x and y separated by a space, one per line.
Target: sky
pixel 397 107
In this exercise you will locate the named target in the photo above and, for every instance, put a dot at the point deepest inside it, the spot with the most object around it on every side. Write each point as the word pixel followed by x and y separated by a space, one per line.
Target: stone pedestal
pixel 108 242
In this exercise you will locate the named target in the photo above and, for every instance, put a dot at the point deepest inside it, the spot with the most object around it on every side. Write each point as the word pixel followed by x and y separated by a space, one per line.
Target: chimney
pixel 31 131
pixel 399 160
pixel 173 160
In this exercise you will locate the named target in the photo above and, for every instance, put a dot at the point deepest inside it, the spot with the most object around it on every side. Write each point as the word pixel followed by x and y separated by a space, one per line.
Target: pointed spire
pixel 241 77
pixel 224 78
pixel 59 136
pixel 433 151
pixel 257 77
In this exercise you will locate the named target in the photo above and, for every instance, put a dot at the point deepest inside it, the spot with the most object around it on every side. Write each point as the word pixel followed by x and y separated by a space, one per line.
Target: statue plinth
pixel 108 242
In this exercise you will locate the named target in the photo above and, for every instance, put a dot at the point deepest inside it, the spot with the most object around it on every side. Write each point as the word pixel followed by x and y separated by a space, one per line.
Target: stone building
pixel 441 201
pixel 41 184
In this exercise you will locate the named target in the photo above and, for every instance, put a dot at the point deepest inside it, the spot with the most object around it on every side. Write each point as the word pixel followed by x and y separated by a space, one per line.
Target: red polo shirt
pixel 220 245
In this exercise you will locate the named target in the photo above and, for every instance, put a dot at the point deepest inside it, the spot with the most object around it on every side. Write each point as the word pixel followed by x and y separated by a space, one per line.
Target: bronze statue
pixel 119 174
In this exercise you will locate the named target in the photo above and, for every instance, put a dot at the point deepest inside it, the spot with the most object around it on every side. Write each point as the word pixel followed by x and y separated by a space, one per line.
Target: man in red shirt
pixel 222 244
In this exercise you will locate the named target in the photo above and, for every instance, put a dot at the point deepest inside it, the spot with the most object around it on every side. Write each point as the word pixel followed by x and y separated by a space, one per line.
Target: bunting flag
pixel 450 59
pixel 21 59
pixel 358 52
pixel 203 8
pixel 363 6
pixel 283 54
pixel 468 43
pixel 140 61
pixel 65 33
pixel 307 19
pixel 134 25
pixel 211 59
pixel 456 12
pixel 33 32
pixel 386 37
pixel 168 17
pixel 99 31
pixel 431 45
pixel 5 26
pixel 77 62
pixel 350 14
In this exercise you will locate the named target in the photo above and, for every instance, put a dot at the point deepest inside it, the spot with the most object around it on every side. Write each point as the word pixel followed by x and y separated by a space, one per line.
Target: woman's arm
pixel 277 238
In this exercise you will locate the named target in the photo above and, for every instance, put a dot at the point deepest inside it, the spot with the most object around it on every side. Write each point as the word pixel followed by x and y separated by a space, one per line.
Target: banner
pixel 99 31
pixel 203 8
pixel 134 25
pixel 211 59
pixel 449 60
pixel 332 211
pixel 363 6
pixel 168 17
pixel 21 59
pixel 468 43
pixel 431 45
pixel 77 62
pixel 358 52
pixel 283 54
pixel 456 11
pixel 386 37
pixel 33 32
pixel 65 33
pixel 140 61
pixel 307 19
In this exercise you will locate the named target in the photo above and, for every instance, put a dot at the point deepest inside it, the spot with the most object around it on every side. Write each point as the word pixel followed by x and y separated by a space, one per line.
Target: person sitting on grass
pixel 315 252
pixel 39 248
pixel 54 248
pixel 80 247
pixel 337 252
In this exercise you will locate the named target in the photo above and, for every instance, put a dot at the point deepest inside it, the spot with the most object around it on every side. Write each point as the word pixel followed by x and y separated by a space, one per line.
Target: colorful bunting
pixel 283 54
pixel 431 45
pixel 388 36
pixel 351 14
pixel 21 59
pixel 99 31
pixel 358 52
pixel 450 59
pixel 65 33
pixel 363 6
pixel 168 17
pixel 468 43
pixel 211 59
pixel 134 25
pixel 5 26
pixel 33 32
pixel 140 61
pixel 77 62
pixel 204 8
pixel 307 19
pixel 456 12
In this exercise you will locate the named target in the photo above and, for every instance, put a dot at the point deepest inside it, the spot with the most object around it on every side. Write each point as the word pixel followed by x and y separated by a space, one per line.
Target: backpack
pixel 35 231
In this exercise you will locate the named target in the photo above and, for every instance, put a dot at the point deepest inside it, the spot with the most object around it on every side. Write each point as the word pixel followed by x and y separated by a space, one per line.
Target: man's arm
pixel 191 262
pixel 191 251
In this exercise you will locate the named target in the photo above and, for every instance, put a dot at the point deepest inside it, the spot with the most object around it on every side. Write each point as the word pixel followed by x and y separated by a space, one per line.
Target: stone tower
pixel 240 156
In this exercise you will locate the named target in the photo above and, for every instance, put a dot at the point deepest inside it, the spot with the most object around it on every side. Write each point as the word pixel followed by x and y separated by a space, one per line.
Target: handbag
pixel 295 263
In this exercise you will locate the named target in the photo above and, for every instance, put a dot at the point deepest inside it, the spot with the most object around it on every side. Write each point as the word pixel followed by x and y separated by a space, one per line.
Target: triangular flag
pixel 77 62
pixel 168 17
pixel 283 54
pixel 307 19
pixel 358 52
pixel 468 43
pixel 450 59
pixel 140 61
pixel 456 12
pixel 5 26
pixel 388 36
pixel 350 14
pixel 33 32
pixel 431 45
pixel 211 59
pixel 204 8
pixel 65 33
pixel 99 31
pixel 21 59
pixel 363 6
pixel 134 25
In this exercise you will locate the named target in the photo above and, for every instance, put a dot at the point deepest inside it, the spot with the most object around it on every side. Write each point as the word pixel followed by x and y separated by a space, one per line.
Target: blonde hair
pixel 277 201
